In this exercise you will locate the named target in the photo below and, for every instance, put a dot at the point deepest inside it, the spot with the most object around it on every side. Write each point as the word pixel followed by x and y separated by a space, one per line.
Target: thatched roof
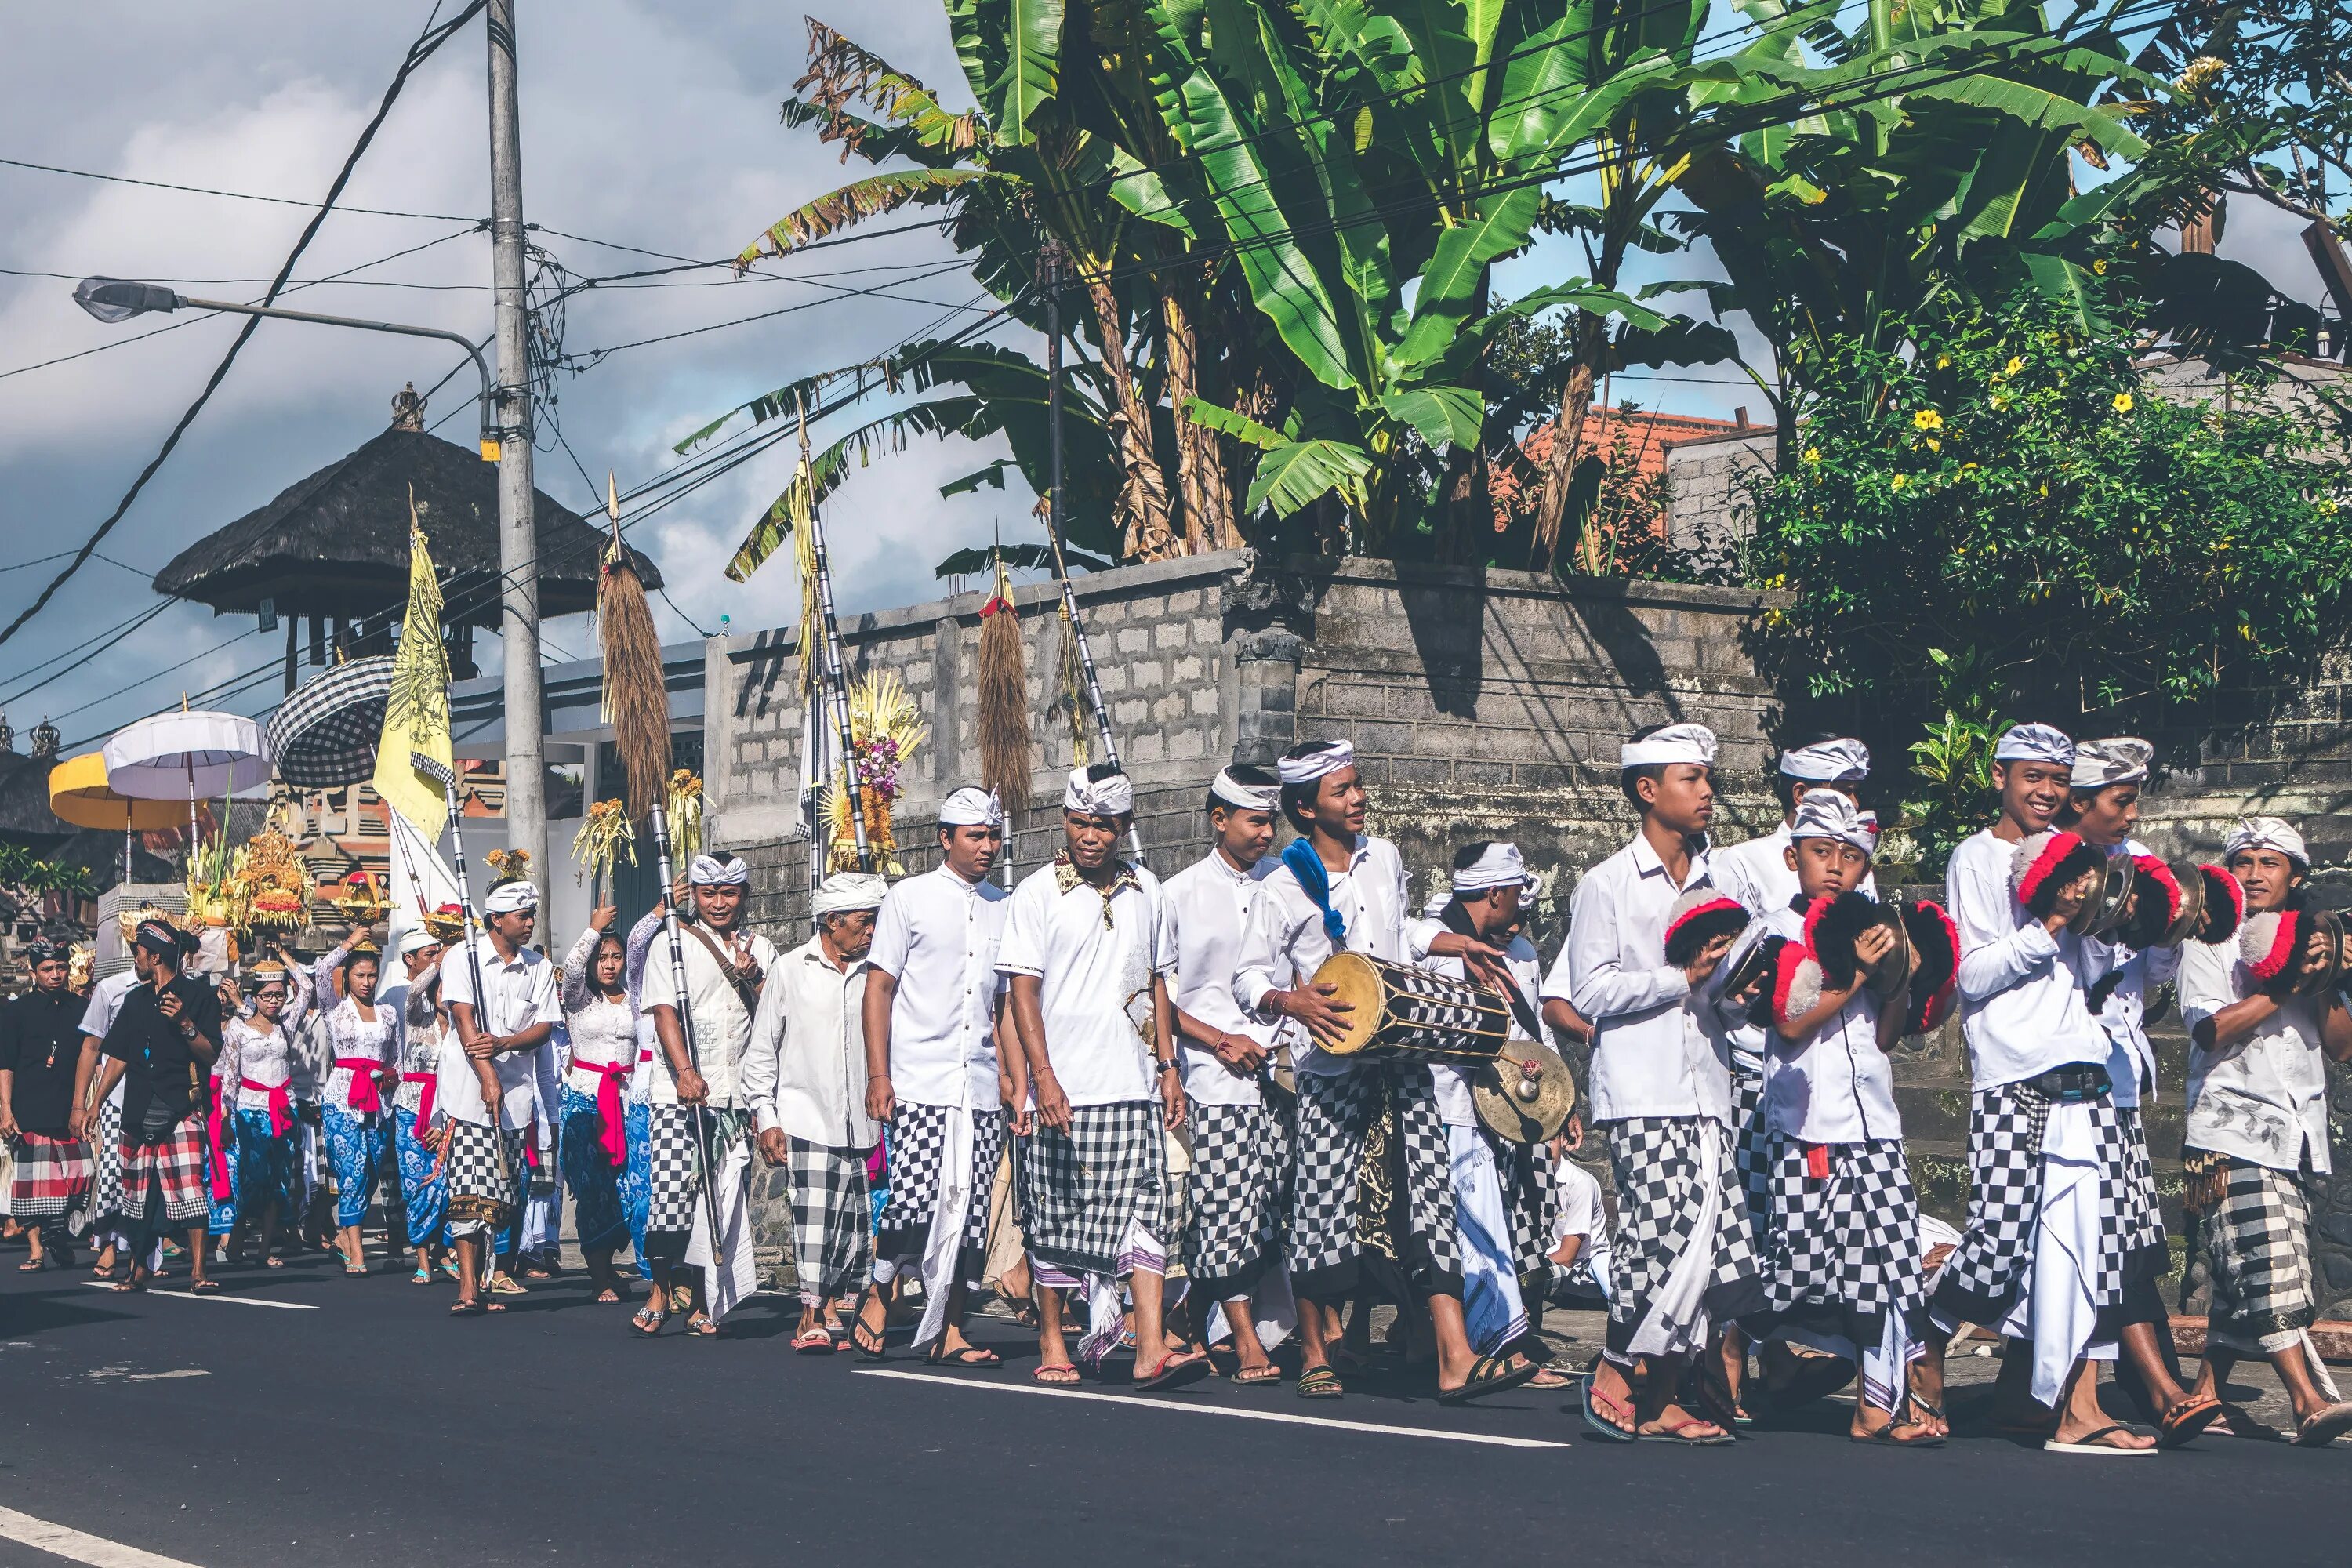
pixel 336 543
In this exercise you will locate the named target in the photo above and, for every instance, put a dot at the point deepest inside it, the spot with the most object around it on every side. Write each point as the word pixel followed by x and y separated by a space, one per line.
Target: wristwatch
pixel 1167 1064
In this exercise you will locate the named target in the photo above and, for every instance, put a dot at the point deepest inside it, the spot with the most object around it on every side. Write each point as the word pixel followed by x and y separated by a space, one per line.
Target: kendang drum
pixel 1410 1014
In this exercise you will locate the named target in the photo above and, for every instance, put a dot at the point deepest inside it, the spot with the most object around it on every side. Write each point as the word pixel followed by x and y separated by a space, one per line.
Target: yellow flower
pixel 1897 482
pixel 2001 400
pixel 1943 362
pixel 2100 267
pixel 2016 363
pixel 1968 468
pixel 1935 445
pixel 1813 453
pixel 1927 419
pixel 2328 509
pixel 2123 403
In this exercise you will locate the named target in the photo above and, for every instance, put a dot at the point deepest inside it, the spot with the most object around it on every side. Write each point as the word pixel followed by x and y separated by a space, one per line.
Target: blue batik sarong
pixel 354 1149
pixel 597 1214
pixel 424 1194
pixel 636 1181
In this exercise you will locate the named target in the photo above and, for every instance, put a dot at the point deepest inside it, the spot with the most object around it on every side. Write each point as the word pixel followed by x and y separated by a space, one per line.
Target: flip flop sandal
pixel 102 1271
pixel 507 1285
pixel 2325 1425
pixel 449 1266
pixel 813 1342
pixel 1320 1383
pixel 860 1334
pixel 31 1265
pixel 1049 1374
pixel 273 1263
pixel 422 1277
pixel 1483 1382
pixel 465 1309
pixel 970 1357
pixel 699 1326
pixel 1884 1436
pixel 1264 1376
pixel 1682 1432
pixel 203 1287
pixel 494 1306
pixel 608 1297
pixel 1606 1426
pixel 647 1321
pixel 2187 1420
pixel 1175 1371
pixel 360 1271
pixel 2089 1444
pixel 1722 1407
pixel 1547 1378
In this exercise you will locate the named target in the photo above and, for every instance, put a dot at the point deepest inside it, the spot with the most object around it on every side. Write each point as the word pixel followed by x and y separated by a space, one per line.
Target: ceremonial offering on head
pixel 274 884
pixel 1400 1014
pixel 603 837
pixel 359 902
pixel 683 803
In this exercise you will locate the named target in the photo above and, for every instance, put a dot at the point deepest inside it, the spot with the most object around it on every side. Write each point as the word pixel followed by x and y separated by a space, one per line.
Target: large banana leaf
pixel 1032 65
pixel 859 200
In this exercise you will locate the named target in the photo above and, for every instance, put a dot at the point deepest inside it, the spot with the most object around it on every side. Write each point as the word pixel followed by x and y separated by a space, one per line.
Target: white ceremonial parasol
pixel 195 753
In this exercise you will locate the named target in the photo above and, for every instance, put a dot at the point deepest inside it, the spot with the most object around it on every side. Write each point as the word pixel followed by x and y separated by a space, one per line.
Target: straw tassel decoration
pixel 1003 700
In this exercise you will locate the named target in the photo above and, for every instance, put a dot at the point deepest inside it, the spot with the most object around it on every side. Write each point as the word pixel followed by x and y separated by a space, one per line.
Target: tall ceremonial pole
pixel 636 704
pixel 485 1071
pixel 836 678
pixel 1050 257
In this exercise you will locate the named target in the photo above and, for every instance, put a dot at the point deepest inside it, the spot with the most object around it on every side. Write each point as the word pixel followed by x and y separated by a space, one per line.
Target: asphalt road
pixel 362 1427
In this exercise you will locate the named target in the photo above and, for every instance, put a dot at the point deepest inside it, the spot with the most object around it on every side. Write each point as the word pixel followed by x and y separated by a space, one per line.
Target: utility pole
pixel 518 519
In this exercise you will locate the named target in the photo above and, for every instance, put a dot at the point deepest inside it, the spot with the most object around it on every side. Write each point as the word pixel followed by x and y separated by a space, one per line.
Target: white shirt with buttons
pixel 937 936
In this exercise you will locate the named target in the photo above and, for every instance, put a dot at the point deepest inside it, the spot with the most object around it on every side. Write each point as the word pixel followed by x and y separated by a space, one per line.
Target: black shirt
pixel 40 1042
pixel 162 1069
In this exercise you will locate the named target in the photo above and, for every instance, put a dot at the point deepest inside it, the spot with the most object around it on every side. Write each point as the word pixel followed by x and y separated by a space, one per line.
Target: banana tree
pixel 1368 162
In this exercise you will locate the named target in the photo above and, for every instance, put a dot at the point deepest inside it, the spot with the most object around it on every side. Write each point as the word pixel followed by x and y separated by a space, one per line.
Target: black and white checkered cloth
pixel 1850 1239
pixel 106 1190
pixel 1525 1171
pixel 918 1141
pixel 324 736
pixel 1335 1115
pixel 1751 1154
pixel 833 1244
pixel 1079 1189
pixel 1980 1281
pixel 473 1171
pixel 2258 1237
pixel 674 1177
pixel 1239 1189
pixel 2142 1215
pixel 1657 1162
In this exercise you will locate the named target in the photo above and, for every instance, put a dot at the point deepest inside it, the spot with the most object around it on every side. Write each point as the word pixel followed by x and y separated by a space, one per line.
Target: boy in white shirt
pixel 1842 1235
pixel 1685 1259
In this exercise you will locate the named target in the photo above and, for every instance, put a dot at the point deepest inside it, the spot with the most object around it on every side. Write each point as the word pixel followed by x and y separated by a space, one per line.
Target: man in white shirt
pixel 1083 952
pixel 805 1080
pixel 2256 1141
pixel 510 1026
pixel 2103 806
pixel 1339 888
pixel 1841 1248
pixel 1240 1179
pixel 1756 872
pixel 2041 1258
pixel 932 1012
pixel 1684 1258
pixel 1502 1191
pixel 713 970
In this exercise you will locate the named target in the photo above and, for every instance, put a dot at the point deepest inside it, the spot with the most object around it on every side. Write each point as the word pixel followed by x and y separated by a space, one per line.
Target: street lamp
pixel 112 300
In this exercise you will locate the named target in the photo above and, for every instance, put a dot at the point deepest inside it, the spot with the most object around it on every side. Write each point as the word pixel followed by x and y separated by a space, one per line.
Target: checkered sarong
pixel 674 1183
pixel 1850 1239
pixel 178 1162
pixel 1239 1186
pixel 1751 1152
pixel 1337 1115
pixel 1657 1162
pixel 1980 1281
pixel 918 1135
pixel 2141 1215
pixel 2258 1237
pixel 1080 1190
pixel 51 1179
pixel 1525 1171
pixel 106 1187
pixel 477 1198
pixel 833 1244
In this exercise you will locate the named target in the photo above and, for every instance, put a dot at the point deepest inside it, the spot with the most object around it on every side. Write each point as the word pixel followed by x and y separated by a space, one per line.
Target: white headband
pixel 1502 866
pixel 2121 760
pixel 1675 744
pixel 510 897
pixel 845 891
pixel 415 940
pixel 1247 797
pixel 1825 814
pixel 2034 743
pixel 1844 761
pixel 710 871
pixel 971 806
pixel 1328 757
pixel 2267 832
pixel 1112 796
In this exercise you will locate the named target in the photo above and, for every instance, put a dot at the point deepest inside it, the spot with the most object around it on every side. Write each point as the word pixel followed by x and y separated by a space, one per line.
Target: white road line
pixel 1134 1402
pixel 74 1546
pixel 209 1296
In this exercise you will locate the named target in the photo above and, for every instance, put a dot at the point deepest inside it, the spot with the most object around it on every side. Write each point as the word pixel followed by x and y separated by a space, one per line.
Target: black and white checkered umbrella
pixel 325 735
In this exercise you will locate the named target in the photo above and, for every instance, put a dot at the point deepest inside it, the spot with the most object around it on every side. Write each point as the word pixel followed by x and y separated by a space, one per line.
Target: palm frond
pixel 857 201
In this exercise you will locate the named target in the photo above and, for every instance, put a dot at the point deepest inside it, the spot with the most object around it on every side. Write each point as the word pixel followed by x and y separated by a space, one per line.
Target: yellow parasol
pixel 78 794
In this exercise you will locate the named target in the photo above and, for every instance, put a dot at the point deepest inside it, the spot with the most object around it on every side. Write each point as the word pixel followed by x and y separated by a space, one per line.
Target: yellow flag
pixel 417 714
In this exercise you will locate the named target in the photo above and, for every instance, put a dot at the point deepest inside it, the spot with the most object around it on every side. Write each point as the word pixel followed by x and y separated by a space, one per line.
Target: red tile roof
pixel 1648 434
